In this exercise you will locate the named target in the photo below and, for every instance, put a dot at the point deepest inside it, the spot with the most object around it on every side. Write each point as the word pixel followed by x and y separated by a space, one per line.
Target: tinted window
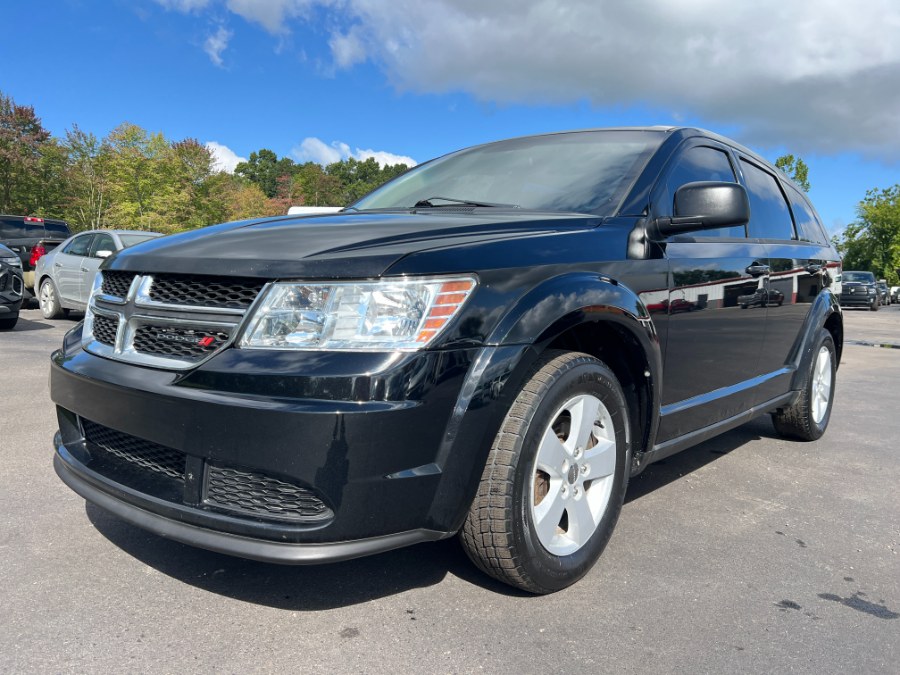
pixel 700 164
pixel 808 226
pixel 57 230
pixel 585 172
pixel 769 214
pixel 17 228
pixel 102 242
pixel 79 245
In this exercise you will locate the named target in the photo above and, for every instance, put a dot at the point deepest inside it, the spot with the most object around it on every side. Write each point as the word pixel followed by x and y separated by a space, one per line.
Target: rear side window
pixel 700 163
pixel 770 217
pixel 808 226
pixel 57 230
pixel 79 245
pixel 17 228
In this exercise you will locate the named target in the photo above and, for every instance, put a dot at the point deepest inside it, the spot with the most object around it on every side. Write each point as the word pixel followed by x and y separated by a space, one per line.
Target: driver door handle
pixel 757 269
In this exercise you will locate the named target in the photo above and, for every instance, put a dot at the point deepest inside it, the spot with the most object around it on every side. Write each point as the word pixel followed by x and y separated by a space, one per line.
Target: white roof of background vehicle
pixel 311 210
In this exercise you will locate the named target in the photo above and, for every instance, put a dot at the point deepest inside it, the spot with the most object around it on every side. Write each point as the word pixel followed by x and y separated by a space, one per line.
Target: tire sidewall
pixel 549 571
pixel 817 429
pixel 48 311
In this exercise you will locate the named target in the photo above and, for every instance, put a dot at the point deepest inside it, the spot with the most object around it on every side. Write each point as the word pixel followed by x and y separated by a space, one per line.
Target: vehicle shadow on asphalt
pixel 343 584
pixel 302 587
pixel 687 461
pixel 23 325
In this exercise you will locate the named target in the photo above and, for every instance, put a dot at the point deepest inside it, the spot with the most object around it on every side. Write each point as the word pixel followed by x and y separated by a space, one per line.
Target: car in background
pixel 30 238
pixel 858 289
pixel 65 275
pixel 895 294
pixel 884 294
pixel 761 297
pixel 12 288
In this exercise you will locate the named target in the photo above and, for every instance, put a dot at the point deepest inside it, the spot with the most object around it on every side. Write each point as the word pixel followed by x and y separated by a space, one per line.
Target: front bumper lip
pixel 224 542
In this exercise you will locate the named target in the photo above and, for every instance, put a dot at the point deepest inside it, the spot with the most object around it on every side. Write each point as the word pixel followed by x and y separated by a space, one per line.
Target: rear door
pixel 713 347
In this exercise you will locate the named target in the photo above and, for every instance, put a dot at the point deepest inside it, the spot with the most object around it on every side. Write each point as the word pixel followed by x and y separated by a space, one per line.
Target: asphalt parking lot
pixel 744 554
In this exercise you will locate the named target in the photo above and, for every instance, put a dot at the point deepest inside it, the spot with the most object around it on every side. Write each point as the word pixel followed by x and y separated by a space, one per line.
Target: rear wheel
pixel 555 477
pixel 48 298
pixel 8 323
pixel 808 418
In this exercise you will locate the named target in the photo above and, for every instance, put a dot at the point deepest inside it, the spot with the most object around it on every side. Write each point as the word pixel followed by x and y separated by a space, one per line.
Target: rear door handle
pixel 57 264
pixel 757 269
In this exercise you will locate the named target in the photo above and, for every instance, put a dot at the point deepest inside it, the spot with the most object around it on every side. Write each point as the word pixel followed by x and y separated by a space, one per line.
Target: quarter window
pixel 770 217
pixel 808 226
pixel 700 163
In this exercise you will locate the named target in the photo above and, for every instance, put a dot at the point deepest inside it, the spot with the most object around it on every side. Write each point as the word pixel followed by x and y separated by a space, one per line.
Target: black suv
pixel 30 238
pixel 487 345
pixel 12 288
pixel 858 289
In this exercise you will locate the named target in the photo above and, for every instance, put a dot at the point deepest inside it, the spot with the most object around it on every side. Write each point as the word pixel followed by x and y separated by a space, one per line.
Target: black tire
pixel 48 301
pixel 875 304
pixel 9 322
pixel 798 421
pixel 500 534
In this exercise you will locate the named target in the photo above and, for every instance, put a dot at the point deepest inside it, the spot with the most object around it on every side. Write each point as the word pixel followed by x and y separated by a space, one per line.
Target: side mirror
pixel 704 205
pixel 103 254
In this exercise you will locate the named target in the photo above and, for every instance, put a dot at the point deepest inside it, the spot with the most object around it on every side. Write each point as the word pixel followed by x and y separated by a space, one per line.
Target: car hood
pixel 342 245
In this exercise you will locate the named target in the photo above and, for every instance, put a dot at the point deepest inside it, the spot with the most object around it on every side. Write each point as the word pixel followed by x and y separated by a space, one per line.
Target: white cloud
pixel 810 75
pixel 314 150
pixel 224 158
pixel 216 44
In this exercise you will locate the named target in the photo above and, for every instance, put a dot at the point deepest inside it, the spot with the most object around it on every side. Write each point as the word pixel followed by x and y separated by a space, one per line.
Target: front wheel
pixel 555 478
pixel 8 323
pixel 808 418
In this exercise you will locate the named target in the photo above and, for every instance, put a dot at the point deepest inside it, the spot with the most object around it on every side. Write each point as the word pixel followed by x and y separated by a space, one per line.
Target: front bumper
pixel 378 439
pixel 857 300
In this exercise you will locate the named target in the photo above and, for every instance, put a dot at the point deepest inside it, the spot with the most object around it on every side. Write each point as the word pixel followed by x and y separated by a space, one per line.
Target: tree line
pixel 136 179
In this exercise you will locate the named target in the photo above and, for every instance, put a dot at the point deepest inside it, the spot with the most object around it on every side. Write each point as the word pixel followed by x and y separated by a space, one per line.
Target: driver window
pixel 700 163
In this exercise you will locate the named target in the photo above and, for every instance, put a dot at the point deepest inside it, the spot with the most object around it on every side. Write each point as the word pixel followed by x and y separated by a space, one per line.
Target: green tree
pixel 265 168
pixel 86 179
pixel 873 241
pixel 137 177
pixel 796 169
pixel 22 138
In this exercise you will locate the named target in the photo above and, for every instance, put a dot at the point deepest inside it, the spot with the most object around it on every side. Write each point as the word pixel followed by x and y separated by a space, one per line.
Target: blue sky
pixel 321 79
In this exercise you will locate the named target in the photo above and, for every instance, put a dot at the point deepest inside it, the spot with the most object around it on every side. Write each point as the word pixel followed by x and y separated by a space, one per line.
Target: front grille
pixel 135 451
pixel 177 342
pixel 205 291
pixel 105 329
pixel 117 283
pixel 261 495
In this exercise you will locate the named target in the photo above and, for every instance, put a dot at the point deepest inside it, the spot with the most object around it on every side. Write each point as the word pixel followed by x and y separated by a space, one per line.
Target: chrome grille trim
pixel 139 310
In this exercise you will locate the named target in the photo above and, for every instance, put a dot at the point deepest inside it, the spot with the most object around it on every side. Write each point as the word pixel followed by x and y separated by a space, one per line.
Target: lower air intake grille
pixel 261 495
pixel 105 329
pixel 144 454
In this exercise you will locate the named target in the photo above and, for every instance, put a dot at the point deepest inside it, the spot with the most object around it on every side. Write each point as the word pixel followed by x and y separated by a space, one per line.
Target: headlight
pixel 379 315
pixel 12 262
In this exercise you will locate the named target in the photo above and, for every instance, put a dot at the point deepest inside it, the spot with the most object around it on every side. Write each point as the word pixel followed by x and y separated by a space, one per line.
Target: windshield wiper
pixel 429 202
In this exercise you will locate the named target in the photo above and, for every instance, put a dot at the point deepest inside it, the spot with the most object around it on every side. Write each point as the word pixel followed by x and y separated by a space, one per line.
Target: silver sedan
pixel 65 275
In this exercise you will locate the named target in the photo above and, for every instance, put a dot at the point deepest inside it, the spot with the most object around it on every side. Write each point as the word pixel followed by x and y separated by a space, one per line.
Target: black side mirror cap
pixel 704 205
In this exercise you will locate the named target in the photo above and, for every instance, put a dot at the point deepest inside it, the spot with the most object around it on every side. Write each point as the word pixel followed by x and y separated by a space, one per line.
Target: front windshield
pixel 862 277
pixel 583 172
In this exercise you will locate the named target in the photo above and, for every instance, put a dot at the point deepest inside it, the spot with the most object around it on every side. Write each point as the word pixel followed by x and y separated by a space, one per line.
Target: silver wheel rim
pixel 45 298
pixel 821 385
pixel 573 474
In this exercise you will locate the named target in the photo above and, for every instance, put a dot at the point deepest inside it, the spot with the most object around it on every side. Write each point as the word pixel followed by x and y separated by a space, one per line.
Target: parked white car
pixel 65 275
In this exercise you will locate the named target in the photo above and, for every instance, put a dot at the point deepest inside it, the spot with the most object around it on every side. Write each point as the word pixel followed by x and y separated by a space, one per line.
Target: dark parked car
pixel 467 349
pixel 761 297
pixel 30 238
pixel 64 276
pixel 12 288
pixel 884 294
pixel 858 289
